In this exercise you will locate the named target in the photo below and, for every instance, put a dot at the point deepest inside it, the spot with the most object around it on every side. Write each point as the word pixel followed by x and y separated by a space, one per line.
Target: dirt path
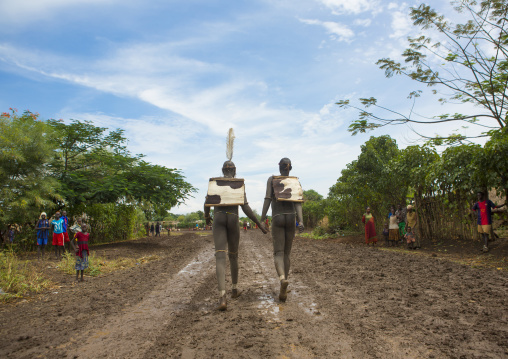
pixel 345 301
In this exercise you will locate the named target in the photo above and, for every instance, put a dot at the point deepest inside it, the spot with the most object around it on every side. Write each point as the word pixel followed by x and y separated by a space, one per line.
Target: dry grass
pixel 99 266
pixel 19 278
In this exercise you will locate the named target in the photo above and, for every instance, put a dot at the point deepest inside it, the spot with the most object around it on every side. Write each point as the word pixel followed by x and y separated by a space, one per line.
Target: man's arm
pixel 268 199
pixel 299 216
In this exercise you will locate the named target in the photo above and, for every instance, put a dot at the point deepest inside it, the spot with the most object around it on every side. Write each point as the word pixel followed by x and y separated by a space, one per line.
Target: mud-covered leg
pixel 288 243
pixel 220 241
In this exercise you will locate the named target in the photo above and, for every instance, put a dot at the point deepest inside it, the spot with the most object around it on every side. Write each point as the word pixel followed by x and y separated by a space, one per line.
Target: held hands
pixel 263 228
pixel 209 221
pixel 300 227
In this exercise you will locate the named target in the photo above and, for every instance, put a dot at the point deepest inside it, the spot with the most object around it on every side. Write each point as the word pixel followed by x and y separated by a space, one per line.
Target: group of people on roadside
pixel 59 225
pixel 401 227
pixel 402 224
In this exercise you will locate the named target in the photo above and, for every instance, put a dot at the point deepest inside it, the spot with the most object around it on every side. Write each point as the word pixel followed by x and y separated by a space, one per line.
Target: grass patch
pixel 98 265
pixel 19 278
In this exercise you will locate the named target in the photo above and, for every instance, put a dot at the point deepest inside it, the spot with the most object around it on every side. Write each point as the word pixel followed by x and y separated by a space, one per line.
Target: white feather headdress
pixel 230 139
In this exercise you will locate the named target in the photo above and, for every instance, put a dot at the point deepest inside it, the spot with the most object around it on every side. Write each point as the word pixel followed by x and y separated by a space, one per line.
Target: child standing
pixel 58 237
pixel 410 238
pixel 80 246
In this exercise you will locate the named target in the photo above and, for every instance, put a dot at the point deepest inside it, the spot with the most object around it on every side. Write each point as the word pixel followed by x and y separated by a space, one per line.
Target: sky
pixel 177 74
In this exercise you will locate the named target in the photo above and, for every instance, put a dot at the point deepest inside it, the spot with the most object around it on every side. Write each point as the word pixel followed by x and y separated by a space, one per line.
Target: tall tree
pixel 25 185
pixel 464 63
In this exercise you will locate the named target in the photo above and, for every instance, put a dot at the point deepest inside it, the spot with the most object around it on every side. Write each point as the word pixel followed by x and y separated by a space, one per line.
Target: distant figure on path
pixel 152 229
pixel 158 229
pixel 370 227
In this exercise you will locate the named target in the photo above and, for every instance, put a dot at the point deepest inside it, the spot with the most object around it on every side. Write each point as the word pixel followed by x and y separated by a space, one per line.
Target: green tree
pixel 313 208
pixel 465 63
pixel 94 166
pixel 367 181
pixel 25 185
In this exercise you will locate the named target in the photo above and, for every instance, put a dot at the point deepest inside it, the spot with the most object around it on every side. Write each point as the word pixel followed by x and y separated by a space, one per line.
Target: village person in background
pixel 370 227
pixel 10 233
pixel 401 218
pixel 158 229
pixel 226 229
pixel 284 216
pixel 412 221
pixel 386 234
pixel 483 209
pixel 393 227
pixel 58 237
pixel 67 241
pixel 410 238
pixel 147 229
pixel 80 246
pixel 152 229
pixel 42 234
pixel 245 225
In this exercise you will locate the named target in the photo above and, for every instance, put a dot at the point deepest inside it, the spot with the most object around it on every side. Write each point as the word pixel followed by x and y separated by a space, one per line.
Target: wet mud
pixel 346 301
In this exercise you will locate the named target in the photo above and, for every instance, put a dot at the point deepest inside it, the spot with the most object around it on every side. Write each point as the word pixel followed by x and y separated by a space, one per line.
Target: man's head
pixel 43 215
pixel 400 207
pixel 229 169
pixel 57 215
pixel 410 208
pixel 408 229
pixel 480 195
pixel 64 213
pixel 392 209
pixel 367 209
pixel 285 166
pixel 84 227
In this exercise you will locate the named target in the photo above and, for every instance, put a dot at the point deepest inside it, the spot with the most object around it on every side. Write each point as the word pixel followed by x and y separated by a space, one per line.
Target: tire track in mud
pixel 131 334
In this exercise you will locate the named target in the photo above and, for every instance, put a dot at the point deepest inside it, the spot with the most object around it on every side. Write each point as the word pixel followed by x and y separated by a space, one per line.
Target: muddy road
pixel 346 301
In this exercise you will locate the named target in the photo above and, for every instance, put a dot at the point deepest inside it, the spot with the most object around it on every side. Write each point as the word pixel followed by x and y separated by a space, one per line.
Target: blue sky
pixel 176 74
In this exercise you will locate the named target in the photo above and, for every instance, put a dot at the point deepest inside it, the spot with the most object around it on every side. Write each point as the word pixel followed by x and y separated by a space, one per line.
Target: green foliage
pixel 94 166
pixel 314 208
pixel 25 185
pixel 368 181
pixel 473 68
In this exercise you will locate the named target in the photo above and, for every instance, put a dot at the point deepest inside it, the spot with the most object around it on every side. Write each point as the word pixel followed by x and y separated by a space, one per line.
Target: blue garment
pixel 58 226
pixel 11 235
pixel 66 221
pixel 42 234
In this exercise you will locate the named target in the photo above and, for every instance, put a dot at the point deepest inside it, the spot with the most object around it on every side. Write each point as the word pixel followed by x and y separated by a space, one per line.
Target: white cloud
pixel 343 32
pixel 363 22
pixel 352 6
pixel 401 24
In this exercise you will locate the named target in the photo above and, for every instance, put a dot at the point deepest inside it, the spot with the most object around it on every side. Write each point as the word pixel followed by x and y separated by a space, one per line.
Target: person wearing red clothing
pixel 483 208
pixel 80 247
